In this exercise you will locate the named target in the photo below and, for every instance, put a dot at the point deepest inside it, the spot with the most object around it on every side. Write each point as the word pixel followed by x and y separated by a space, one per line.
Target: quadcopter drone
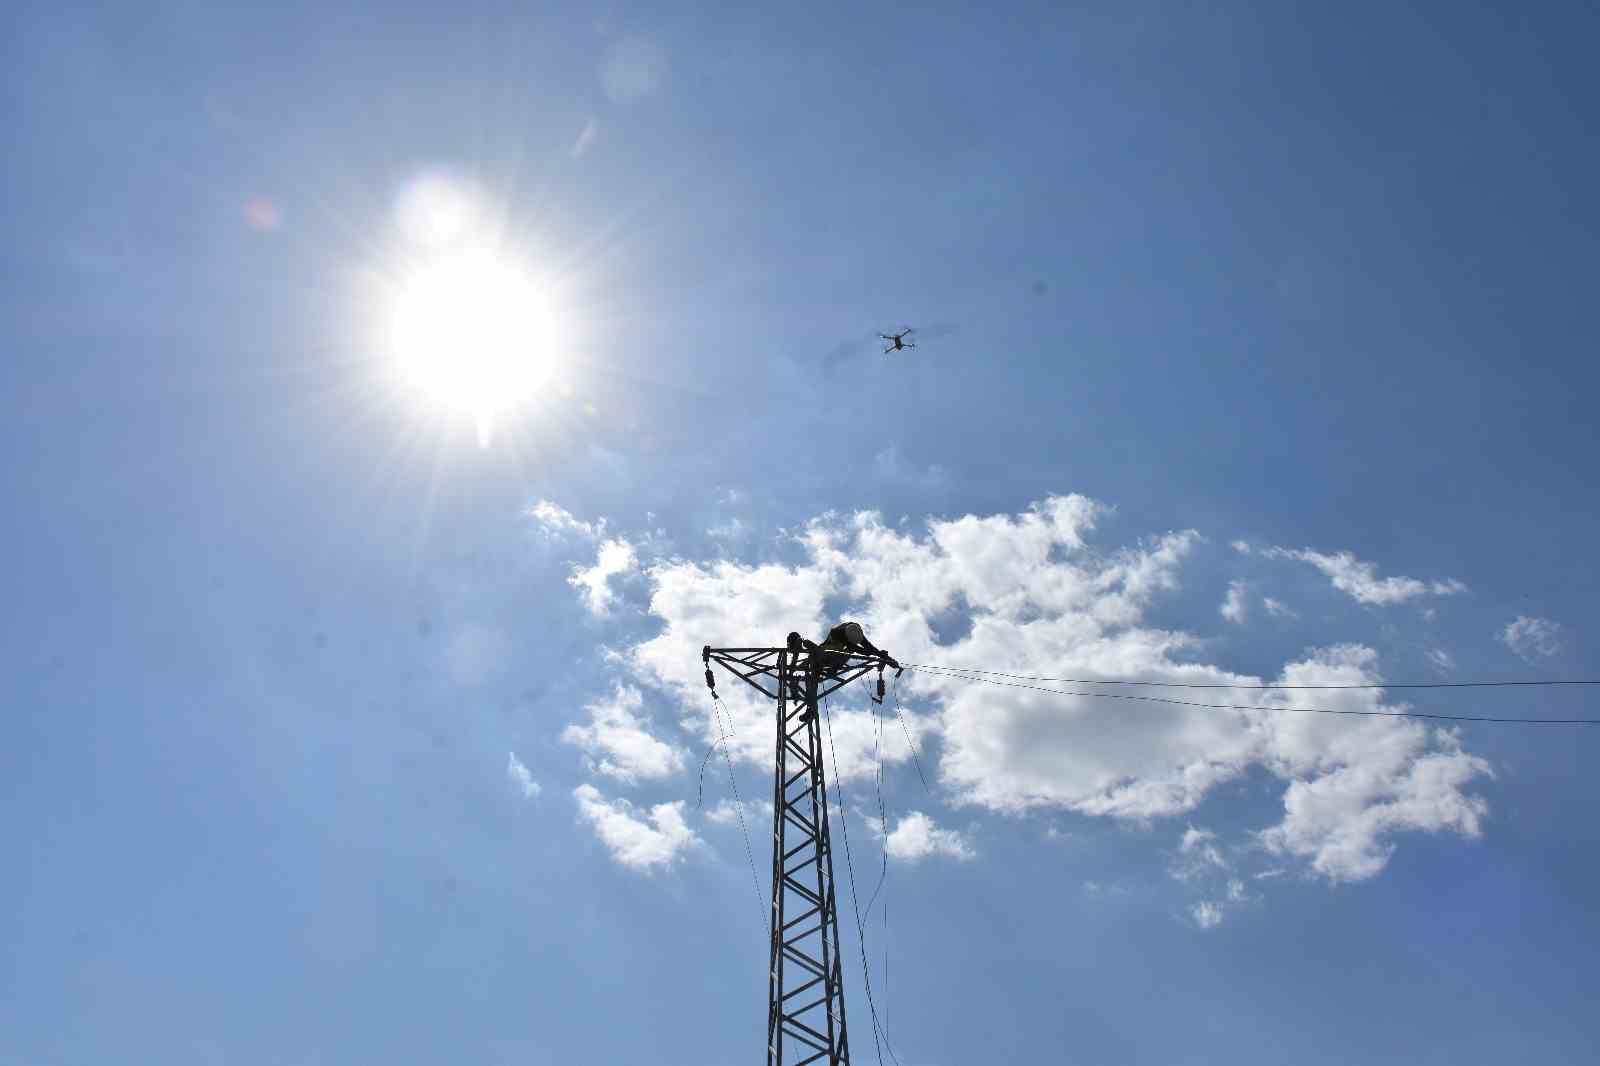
pixel 897 341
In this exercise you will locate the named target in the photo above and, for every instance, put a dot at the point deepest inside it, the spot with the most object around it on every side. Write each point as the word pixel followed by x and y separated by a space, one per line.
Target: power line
pixel 962 671
pixel 1283 710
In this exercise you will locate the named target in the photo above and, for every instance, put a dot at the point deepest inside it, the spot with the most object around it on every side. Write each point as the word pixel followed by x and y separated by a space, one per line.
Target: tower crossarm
pixel 758 668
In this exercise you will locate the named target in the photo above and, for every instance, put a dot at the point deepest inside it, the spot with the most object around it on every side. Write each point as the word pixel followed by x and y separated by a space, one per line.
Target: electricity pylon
pixel 805 978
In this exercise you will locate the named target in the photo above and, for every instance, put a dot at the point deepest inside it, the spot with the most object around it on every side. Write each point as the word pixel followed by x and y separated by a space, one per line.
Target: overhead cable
pixel 1278 709
pixel 963 670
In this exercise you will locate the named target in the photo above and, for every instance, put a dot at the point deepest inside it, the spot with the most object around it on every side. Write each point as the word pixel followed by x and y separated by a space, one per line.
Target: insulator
pixel 880 688
pixel 711 682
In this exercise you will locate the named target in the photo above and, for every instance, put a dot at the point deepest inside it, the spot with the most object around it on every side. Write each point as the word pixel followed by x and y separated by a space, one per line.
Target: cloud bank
pixel 1045 598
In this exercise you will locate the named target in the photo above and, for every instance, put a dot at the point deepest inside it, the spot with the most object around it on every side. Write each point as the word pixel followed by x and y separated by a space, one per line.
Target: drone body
pixel 897 342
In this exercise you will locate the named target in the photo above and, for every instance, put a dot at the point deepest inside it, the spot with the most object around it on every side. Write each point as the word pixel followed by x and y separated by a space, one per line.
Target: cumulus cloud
pixel 619 742
pixel 556 520
pixel 1043 598
pixel 614 557
pixel 655 840
pixel 1359 579
pixel 1532 638
pixel 1342 820
pixel 1206 914
pixel 1236 606
pixel 916 836
pixel 521 777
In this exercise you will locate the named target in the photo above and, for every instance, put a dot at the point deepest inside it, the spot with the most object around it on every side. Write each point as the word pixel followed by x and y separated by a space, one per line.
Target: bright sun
pixel 471 331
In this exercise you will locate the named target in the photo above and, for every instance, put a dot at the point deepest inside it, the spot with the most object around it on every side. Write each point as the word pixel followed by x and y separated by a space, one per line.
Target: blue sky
pixel 1257 342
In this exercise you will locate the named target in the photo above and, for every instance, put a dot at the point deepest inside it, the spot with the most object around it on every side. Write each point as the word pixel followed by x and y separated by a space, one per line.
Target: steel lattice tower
pixel 805 979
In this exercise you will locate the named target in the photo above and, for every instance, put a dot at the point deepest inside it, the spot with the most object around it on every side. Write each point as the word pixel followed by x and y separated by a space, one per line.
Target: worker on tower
pixel 843 639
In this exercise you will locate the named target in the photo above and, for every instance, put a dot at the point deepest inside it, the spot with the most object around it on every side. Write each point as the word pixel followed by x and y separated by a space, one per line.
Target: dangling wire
pixel 907 730
pixel 886 973
pixel 883 877
pixel 883 816
pixel 700 791
pixel 855 898
pixel 733 783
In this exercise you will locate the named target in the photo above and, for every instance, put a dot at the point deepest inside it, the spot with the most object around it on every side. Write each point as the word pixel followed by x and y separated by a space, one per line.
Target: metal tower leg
pixel 805 979
pixel 805 1011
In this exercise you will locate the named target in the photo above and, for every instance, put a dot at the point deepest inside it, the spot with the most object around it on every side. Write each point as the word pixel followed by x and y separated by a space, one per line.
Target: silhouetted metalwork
pixel 805 986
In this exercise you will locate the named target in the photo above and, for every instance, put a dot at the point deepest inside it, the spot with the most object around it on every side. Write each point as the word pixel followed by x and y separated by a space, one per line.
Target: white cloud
pixel 917 836
pixel 1243 547
pixel 726 812
pixel 735 530
pixel 556 520
pixel 619 739
pixel 1342 820
pixel 1532 638
pixel 1441 661
pixel 654 841
pixel 1236 607
pixel 1198 855
pixel 1097 890
pixel 1200 862
pixel 1045 600
pixel 614 557
pixel 1359 579
pixel 521 777
pixel 1276 609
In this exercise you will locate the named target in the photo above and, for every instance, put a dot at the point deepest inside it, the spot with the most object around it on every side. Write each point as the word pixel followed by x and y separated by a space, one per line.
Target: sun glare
pixel 471 331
